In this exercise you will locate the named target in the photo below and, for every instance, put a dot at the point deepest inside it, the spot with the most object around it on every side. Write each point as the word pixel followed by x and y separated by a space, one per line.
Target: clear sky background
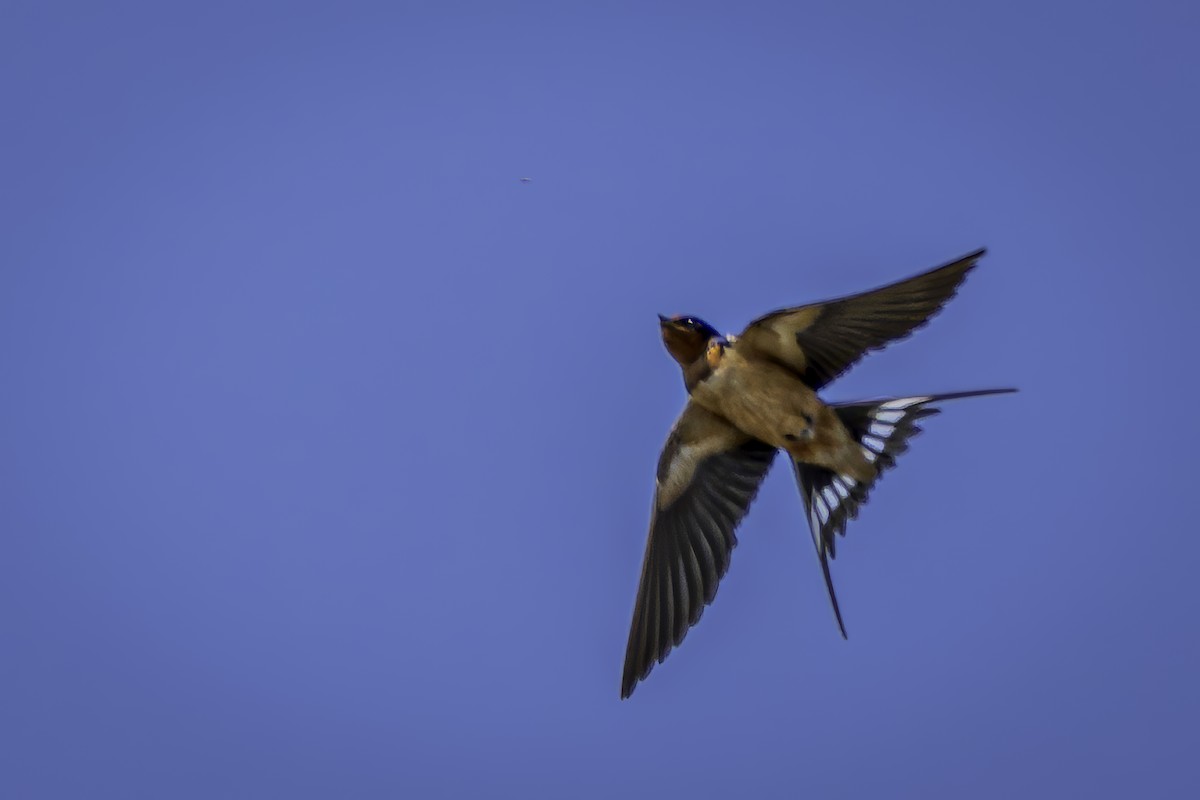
pixel 327 445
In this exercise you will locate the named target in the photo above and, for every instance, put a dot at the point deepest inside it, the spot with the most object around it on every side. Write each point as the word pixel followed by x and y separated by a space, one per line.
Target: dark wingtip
pixel 630 677
pixel 969 259
pixel 962 264
pixel 629 682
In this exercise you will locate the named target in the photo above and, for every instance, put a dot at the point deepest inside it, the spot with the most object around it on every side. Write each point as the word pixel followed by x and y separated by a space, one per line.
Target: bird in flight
pixel 751 396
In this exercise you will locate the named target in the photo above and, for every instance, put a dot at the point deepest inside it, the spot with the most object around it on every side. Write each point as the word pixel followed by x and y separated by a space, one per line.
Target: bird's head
pixel 686 338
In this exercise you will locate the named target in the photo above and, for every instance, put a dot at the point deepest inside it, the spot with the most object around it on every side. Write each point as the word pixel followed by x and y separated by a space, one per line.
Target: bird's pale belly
pixel 773 405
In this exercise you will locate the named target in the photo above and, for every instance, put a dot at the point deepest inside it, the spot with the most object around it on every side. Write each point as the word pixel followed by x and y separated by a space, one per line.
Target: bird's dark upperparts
pixel 751 396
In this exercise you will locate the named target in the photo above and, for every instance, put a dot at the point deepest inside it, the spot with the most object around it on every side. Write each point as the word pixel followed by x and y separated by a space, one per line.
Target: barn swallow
pixel 751 396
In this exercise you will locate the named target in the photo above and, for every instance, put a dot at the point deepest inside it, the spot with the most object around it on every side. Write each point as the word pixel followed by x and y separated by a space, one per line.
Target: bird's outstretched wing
pixel 708 475
pixel 822 340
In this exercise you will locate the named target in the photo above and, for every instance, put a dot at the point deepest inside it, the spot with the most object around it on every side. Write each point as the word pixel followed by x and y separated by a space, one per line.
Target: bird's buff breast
pixel 761 399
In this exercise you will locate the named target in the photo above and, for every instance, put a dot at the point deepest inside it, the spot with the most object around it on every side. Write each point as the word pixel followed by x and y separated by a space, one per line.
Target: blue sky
pixel 328 445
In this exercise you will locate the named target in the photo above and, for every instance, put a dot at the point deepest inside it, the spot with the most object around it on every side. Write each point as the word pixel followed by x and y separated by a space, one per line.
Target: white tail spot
pixel 903 402
pixel 882 430
pixel 819 506
pixel 872 443
pixel 830 496
pixel 840 485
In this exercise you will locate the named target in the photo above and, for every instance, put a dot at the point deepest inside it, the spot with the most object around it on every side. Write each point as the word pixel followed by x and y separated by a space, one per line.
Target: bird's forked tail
pixel 882 429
